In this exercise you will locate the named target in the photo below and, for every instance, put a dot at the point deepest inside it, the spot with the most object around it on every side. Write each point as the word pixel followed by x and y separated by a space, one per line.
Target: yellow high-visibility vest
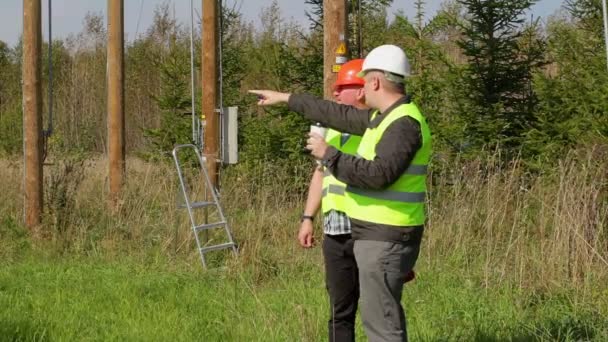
pixel 402 203
pixel 333 189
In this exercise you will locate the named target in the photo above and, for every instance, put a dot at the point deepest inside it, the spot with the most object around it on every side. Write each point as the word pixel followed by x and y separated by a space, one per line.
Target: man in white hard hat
pixel 386 182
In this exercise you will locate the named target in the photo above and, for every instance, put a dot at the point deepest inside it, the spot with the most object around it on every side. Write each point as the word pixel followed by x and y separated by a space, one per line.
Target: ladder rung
pixel 209 226
pixel 216 247
pixel 195 205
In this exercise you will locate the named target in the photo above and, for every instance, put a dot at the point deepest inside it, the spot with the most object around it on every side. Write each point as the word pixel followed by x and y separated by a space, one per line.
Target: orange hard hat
pixel 348 73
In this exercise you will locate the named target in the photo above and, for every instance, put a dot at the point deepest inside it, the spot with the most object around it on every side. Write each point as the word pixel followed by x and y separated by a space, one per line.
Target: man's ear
pixel 375 83
pixel 360 95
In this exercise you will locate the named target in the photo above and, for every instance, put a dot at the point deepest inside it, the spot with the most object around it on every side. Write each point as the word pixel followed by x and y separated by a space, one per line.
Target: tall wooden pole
pixel 116 115
pixel 32 113
pixel 209 85
pixel 334 34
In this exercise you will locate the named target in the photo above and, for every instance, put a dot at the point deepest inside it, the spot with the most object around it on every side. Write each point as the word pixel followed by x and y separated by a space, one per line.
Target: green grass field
pixel 62 299
pixel 504 258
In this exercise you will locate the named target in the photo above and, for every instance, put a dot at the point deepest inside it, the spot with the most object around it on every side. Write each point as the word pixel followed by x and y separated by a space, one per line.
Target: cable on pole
pixel 49 130
pixel 221 76
pixel 195 129
pixel 141 9
pixel 605 12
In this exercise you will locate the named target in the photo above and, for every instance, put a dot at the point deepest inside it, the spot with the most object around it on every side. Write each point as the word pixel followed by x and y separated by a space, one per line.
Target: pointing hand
pixel 270 97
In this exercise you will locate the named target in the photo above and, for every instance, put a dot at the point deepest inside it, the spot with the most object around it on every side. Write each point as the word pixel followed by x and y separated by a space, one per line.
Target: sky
pixel 68 15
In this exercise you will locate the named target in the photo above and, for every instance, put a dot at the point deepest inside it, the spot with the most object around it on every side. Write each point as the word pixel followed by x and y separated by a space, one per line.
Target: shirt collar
pixel 380 116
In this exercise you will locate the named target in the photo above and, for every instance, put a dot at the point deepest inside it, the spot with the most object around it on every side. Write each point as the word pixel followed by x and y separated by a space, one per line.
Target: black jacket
pixel 394 153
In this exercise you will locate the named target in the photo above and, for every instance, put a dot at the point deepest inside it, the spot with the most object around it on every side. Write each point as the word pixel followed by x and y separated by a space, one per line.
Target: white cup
pixel 319 130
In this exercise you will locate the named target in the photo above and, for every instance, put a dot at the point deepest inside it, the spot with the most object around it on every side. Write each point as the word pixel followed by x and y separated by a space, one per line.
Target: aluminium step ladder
pixel 191 206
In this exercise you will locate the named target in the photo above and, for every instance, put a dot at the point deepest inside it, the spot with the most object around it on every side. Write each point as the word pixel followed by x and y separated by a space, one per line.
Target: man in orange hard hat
pixel 342 276
pixel 341 273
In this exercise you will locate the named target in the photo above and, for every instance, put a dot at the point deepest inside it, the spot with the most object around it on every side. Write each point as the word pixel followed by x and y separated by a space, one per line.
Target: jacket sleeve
pixel 347 119
pixel 394 153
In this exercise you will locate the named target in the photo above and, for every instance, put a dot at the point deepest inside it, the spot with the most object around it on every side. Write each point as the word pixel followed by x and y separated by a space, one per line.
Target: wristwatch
pixel 307 217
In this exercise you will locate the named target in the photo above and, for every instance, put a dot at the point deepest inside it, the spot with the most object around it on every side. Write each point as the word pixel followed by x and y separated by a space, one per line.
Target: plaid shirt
pixel 336 223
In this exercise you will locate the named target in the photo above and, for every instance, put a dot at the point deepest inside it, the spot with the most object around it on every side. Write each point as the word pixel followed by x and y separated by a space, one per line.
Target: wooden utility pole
pixel 209 85
pixel 334 35
pixel 32 113
pixel 116 114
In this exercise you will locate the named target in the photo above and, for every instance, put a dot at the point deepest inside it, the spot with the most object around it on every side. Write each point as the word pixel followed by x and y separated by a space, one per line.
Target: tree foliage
pixel 484 74
pixel 500 100
pixel 573 108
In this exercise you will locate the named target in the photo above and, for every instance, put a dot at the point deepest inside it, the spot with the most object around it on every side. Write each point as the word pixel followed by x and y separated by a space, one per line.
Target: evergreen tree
pixel 500 106
pixel 11 118
pixel 573 92
pixel 173 101
pixel 171 59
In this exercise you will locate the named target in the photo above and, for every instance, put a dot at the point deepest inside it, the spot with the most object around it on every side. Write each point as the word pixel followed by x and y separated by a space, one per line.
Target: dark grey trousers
pixel 382 270
pixel 342 280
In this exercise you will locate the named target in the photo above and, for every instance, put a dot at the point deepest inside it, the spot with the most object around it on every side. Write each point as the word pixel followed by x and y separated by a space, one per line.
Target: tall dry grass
pixel 533 231
pixel 262 212
pixel 536 230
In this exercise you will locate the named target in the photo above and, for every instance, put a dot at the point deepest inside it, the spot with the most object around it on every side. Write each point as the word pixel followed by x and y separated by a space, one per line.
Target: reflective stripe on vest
pixel 401 203
pixel 419 170
pixel 389 195
pixel 333 189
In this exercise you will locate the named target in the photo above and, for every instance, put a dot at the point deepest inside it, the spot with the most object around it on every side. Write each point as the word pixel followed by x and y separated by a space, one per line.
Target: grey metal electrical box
pixel 230 132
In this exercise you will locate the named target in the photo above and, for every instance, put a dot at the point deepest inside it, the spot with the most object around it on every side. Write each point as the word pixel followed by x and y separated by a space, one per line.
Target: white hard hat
pixel 389 58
